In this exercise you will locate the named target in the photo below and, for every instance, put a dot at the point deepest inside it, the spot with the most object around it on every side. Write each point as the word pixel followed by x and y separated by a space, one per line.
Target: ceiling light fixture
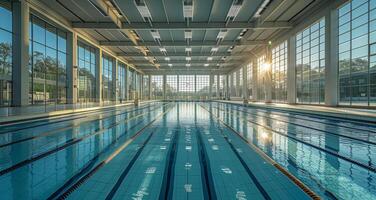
pixel 167 58
pixel 169 64
pixel 155 34
pixel 142 9
pixel 188 9
pixel 214 49
pixel 188 34
pixel 221 34
pixel 163 50
pixel 261 8
pixel 188 58
pixel 188 49
pixel 234 9
pixel 206 65
pixel 187 65
pixel 210 58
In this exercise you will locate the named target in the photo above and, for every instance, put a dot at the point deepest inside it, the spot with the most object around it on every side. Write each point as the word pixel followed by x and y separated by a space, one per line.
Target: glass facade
pixel 357 53
pixel 279 73
pixel 108 89
pixel 171 86
pixel 48 69
pixel 214 86
pixel 261 81
pixel 222 79
pixel 202 86
pixel 186 86
pixel 146 87
pixel 86 59
pixel 310 64
pixel 122 90
pixel 249 79
pixel 157 87
pixel 6 37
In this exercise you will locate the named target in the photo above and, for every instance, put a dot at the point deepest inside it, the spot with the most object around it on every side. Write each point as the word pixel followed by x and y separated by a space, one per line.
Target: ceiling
pixel 223 32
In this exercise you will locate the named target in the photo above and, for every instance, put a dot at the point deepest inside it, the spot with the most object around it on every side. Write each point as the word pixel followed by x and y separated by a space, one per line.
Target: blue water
pixel 187 151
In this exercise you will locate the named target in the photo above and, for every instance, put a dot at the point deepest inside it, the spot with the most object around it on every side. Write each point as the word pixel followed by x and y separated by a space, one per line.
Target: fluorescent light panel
pixel 234 9
pixel 142 8
pixel 206 65
pixel 210 58
pixel 214 49
pixel 167 58
pixel 188 49
pixel 162 49
pixel 187 65
pixel 188 34
pixel 188 58
pixel 188 9
pixel 155 34
pixel 221 34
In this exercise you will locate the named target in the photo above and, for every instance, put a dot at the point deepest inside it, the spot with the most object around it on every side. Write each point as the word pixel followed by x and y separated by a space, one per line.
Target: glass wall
pixel 6 37
pixel 108 89
pixel 131 83
pixel 279 73
pixel 48 69
pixel 157 87
pixel 122 72
pixel 202 86
pixel 261 81
pixel 249 79
pixel 310 64
pixel 186 86
pixel 221 91
pixel 86 71
pixel 357 53
pixel 214 86
pixel 146 89
pixel 240 83
pixel 171 86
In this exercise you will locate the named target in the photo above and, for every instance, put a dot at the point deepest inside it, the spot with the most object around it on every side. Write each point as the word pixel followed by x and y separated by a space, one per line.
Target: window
pixel 249 78
pixel 233 84
pixel 108 90
pixel 202 85
pixel 6 37
pixel 357 53
pixel 187 86
pixel 214 86
pixel 279 72
pixel 310 64
pixel 240 82
pixel 48 67
pixel 261 73
pixel 157 86
pixel 122 73
pixel 86 60
pixel 171 86
pixel 221 85
pixel 146 89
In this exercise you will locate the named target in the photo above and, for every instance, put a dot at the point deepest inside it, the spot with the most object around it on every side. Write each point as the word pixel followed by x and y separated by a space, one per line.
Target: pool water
pixel 188 150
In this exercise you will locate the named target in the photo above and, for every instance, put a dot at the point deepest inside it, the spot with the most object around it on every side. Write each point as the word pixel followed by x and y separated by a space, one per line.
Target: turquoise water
pixel 186 151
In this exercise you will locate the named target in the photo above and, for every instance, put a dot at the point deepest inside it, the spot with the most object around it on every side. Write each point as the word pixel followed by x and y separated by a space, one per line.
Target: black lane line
pixel 65 192
pixel 206 175
pixel 301 125
pixel 67 128
pixel 59 121
pixel 167 189
pixel 359 122
pixel 360 164
pixel 245 166
pixel 67 144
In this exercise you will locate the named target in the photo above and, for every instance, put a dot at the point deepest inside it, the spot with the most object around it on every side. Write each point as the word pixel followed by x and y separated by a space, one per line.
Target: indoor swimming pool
pixel 188 150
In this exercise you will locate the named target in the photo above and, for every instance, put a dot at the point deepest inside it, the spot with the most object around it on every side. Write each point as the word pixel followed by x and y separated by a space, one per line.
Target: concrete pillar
pixel 211 81
pixel 20 73
pixel 331 58
pixel 291 70
pixel 72 93
pixel 245 88
pixel 115 81
pixel 98 72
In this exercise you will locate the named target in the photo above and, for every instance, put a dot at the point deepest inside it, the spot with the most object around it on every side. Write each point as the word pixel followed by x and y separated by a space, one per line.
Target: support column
pixel 72 93
pixel 20 73
pixel 291 71
pixel 211 81
pixel 331 58
pixel 245 88
pixel 149 83
pixel 115 81
pixel 98 71
pixel 164 87
pixel 227 86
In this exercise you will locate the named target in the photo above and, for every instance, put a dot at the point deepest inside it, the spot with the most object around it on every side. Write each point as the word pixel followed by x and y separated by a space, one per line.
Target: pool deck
pixel 341 112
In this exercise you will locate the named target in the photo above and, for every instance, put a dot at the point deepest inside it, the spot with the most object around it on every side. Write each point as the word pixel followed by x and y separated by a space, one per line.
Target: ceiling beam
pixel 181 25
pixel 209 54
pixel 183 43
pixel 183 62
